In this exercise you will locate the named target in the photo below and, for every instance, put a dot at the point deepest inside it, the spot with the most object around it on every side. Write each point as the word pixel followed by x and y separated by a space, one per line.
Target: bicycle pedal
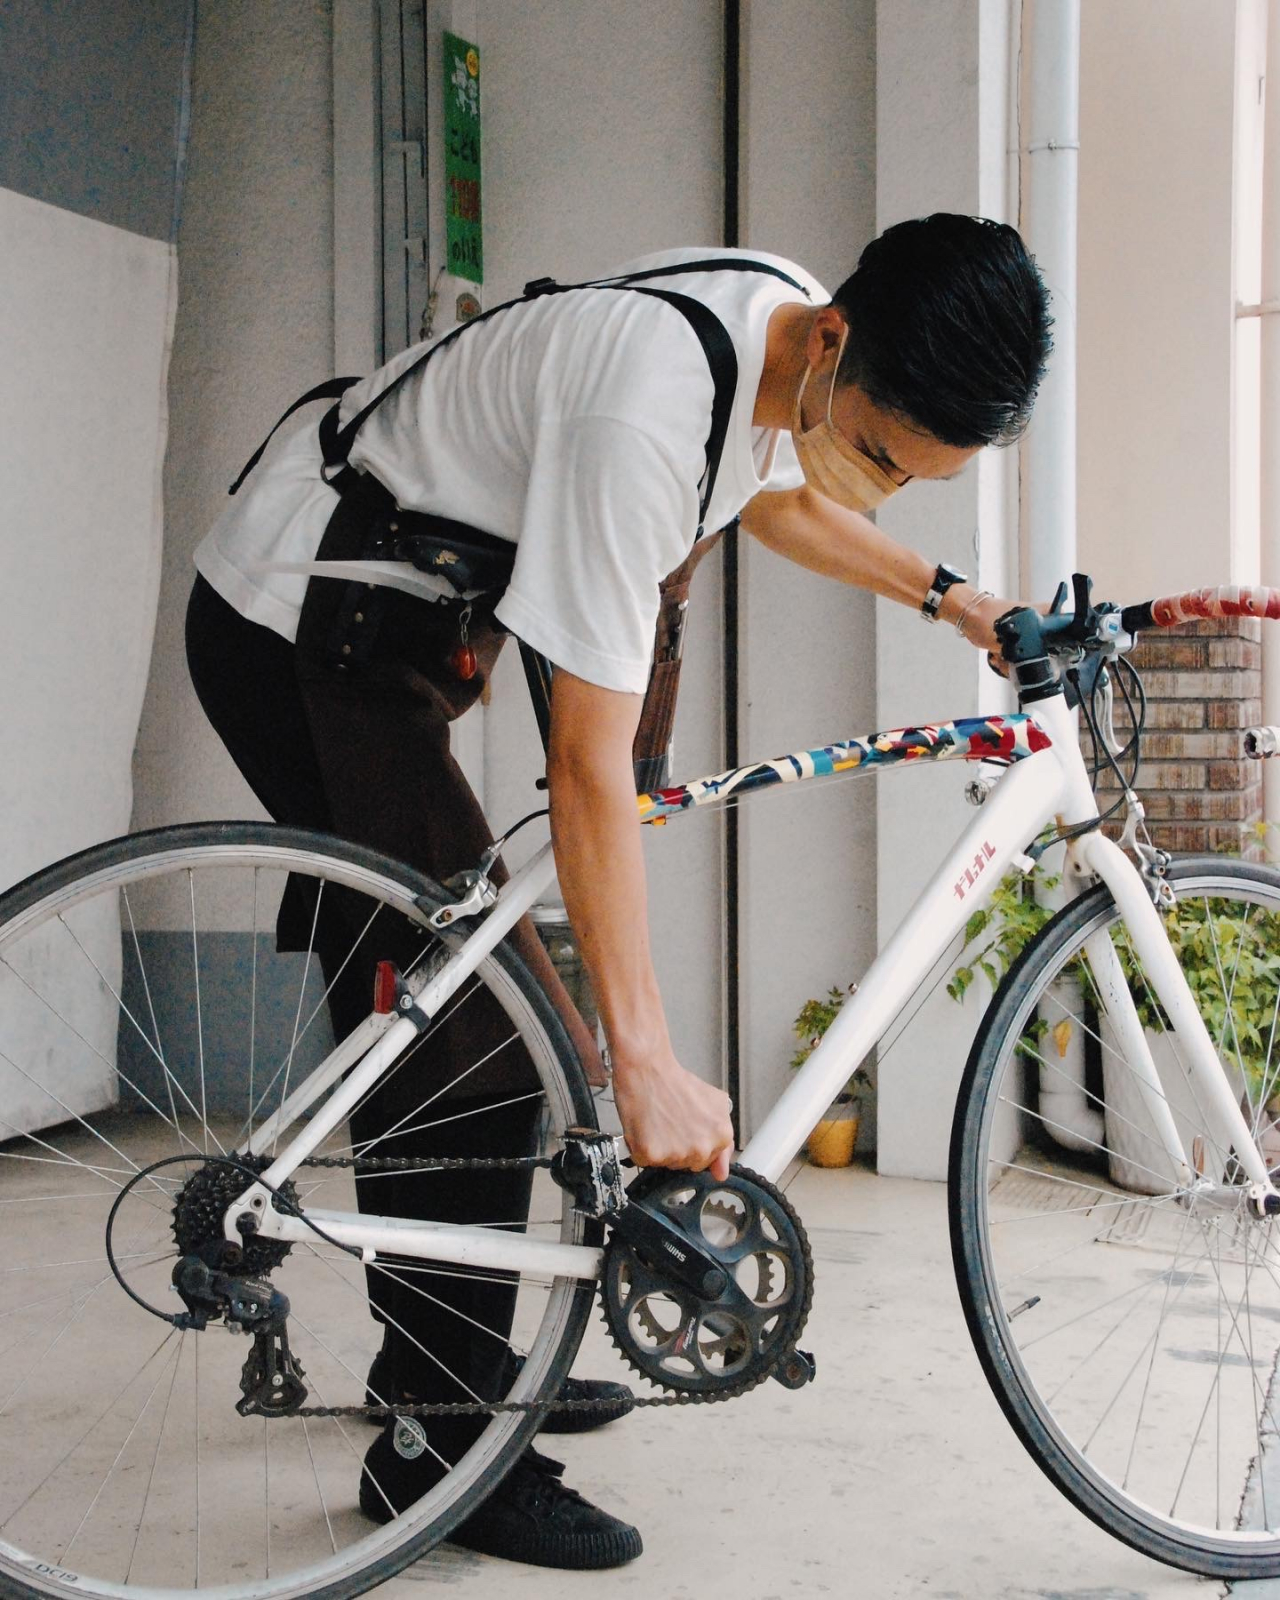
pixel 798 1369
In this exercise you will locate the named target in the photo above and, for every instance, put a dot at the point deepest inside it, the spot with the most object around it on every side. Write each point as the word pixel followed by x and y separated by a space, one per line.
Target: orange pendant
pixel 464 662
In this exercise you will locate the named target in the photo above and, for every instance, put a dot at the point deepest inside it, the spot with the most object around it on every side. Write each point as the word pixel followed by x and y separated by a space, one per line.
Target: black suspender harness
pixel 470 558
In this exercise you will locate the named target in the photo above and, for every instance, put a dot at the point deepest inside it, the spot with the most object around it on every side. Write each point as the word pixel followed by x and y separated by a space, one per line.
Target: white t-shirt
pixel 574 425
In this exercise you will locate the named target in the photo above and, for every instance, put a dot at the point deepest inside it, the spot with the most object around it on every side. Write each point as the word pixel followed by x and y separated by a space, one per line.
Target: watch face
pixel 947 575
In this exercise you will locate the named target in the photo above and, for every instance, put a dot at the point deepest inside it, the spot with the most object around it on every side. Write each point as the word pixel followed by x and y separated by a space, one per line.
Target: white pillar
pixel 1051 119
pixel 942 126
pixel 1270 563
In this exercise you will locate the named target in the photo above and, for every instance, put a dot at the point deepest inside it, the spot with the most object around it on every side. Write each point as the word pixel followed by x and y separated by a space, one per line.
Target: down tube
pixel 1015 811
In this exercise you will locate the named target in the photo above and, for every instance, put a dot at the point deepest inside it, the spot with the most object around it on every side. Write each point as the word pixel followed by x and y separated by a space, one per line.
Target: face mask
pixel 830 463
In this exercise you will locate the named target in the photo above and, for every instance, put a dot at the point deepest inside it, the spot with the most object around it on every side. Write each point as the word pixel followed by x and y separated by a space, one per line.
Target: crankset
pixel 707 1283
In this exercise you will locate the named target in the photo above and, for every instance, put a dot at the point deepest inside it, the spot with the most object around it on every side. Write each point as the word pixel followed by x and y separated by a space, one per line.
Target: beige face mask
pixel 830 463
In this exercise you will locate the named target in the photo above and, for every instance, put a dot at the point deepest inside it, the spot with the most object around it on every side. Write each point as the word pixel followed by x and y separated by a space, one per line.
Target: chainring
pixel 730 1343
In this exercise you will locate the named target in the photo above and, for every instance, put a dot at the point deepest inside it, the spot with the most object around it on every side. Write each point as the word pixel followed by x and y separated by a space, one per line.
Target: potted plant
pixel 832 1141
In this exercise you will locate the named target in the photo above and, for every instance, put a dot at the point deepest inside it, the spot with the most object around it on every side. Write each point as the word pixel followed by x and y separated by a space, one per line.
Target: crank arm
pixel 670 1250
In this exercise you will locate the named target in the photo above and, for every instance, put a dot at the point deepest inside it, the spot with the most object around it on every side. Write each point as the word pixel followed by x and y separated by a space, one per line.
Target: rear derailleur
pixel 271 1381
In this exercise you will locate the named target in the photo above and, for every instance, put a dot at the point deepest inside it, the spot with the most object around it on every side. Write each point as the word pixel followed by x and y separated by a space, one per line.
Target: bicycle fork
pixel 1198 1057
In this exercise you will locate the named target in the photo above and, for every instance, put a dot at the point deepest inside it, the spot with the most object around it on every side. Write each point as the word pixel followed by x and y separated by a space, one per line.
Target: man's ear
pixel 825 333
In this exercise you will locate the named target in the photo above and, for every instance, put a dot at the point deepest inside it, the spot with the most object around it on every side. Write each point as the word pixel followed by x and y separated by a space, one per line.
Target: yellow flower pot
pixel 833 1138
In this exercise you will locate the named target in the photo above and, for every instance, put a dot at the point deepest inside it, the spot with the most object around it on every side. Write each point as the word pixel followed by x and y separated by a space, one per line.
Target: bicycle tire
pixel 321 1547
pixel 1132 1342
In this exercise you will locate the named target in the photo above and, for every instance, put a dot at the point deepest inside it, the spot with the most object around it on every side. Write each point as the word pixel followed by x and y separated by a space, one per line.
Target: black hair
pixel 948 327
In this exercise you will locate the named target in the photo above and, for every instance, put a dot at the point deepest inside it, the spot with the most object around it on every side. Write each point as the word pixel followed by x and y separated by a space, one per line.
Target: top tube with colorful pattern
pixel 1010 738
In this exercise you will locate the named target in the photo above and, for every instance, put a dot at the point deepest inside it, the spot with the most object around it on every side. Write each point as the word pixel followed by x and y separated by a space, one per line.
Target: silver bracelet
pixel 982 594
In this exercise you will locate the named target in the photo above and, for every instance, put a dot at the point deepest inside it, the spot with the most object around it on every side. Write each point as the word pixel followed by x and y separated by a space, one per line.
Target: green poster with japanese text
pixel 462 159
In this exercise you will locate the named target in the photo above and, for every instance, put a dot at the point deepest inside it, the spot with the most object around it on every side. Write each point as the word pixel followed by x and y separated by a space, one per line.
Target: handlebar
pixel 1231 600
pixel 1028 639
pixel 1025 634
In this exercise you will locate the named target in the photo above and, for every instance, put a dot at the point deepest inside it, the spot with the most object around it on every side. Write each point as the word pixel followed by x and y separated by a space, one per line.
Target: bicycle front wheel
pixel 1130 1332
pixel 160 997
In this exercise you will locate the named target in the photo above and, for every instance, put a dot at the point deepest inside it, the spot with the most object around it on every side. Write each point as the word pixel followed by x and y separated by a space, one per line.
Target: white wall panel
pixel 85 324
pixel 1156 294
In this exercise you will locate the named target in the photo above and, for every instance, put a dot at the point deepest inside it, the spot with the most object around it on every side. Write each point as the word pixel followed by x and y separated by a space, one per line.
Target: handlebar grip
pixel 1259 743
pixel 1231 600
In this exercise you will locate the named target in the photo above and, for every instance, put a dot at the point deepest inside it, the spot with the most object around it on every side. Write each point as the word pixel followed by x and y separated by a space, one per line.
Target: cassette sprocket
pixel 730 1342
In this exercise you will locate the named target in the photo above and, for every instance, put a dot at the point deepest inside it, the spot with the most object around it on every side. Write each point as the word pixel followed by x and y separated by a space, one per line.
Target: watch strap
pixel 944 578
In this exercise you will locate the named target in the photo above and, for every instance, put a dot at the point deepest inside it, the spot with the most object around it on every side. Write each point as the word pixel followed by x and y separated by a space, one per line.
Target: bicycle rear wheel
pixel 146 1013
pixel 1132 1339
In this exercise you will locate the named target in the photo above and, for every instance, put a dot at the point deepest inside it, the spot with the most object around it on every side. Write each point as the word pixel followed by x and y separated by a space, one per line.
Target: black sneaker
pixel 531 1516
pixel 610 1400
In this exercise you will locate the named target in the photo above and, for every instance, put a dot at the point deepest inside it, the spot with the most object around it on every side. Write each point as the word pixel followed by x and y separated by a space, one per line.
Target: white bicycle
pixel 1113 1211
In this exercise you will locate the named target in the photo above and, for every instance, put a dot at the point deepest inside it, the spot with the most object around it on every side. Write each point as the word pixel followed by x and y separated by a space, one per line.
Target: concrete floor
pixel 894 1474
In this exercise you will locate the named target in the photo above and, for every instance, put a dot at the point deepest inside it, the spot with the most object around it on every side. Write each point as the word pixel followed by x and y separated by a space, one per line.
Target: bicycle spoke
pixel 114 1066
pixel 170 1081
pixel 1093 1144
pixel 35 1489
pixel 195 972
pixel 302 992
pixel 253 999
pixel 399 1327
pixel 1228 1019
pixel 1188 1073
pixel 1122 1064
pixel 315 1472
pixel 439 1122
pixel 65 1551
pixel 1155 1350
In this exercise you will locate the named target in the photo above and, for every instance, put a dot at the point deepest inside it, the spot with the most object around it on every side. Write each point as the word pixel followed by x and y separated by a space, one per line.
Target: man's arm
pixel 815 532
pixel 670 1117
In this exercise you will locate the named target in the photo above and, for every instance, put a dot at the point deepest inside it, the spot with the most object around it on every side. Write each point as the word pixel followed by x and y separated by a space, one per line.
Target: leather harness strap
pixel 434 542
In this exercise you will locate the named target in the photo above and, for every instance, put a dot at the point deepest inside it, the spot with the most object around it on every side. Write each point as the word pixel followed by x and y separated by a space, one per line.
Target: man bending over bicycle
pixel 591 434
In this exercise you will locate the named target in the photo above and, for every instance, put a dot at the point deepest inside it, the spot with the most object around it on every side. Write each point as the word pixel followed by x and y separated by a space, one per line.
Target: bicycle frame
pixel 1047 781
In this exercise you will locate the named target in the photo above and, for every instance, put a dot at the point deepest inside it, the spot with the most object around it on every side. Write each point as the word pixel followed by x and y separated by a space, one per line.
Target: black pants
pixel 365 753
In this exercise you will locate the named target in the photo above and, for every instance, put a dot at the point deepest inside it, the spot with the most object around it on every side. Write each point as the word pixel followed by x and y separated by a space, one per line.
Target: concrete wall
pixel 807 671
pixel 602 143
pixel 254 329
pixel 91 98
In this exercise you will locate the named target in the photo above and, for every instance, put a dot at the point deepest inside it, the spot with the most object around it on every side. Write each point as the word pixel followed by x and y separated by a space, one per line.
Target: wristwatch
pixel 946 577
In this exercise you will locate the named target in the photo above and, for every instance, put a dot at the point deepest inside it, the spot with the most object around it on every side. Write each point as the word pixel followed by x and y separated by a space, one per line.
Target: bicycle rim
pixel 1132 1338
pixel 146 1012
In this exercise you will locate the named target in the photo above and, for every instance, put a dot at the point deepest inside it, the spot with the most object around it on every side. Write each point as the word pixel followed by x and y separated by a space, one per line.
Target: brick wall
pixel 1203 682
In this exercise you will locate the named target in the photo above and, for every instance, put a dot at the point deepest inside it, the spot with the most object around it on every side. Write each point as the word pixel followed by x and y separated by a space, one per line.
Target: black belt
pixel 473 563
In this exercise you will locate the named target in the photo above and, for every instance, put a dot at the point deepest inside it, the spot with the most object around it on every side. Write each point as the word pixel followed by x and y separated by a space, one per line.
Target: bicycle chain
pixel 489 1408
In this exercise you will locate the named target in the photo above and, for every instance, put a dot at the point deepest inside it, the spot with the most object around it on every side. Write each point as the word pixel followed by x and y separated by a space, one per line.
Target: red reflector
pixel 385 982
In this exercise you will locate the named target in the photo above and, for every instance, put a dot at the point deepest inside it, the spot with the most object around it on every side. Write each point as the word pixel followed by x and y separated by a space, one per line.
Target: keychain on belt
pixel 463 659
